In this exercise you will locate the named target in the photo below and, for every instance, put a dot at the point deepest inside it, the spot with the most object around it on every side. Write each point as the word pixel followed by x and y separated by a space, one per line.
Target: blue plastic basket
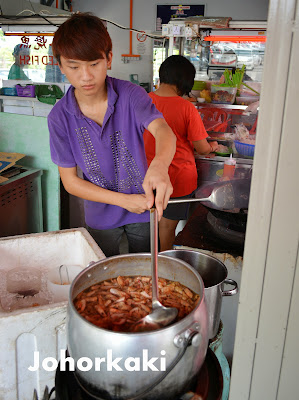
pixel 244 149
pixel 8 91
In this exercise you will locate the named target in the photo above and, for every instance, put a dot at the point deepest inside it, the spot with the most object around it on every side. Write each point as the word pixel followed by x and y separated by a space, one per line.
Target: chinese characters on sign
pixel 167 12
pixel 36 59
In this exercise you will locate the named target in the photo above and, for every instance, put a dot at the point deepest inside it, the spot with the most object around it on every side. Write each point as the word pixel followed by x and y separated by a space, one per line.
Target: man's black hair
pixel 178 71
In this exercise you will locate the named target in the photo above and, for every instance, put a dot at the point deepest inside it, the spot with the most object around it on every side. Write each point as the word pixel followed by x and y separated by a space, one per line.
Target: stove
pixel 227 229
pixel 208 384
pixel 216 232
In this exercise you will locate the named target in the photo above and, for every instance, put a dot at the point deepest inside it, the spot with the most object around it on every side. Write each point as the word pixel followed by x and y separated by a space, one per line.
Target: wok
pixel 237 218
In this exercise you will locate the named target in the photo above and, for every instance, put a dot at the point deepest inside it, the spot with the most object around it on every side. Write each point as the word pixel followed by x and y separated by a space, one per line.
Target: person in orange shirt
pixel 177 75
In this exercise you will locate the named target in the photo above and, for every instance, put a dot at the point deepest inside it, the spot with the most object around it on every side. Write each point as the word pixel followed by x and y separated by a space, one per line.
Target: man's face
pixel 88 77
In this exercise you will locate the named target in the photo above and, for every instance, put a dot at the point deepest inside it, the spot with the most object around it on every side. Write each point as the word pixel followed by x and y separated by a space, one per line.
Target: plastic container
pixel 23 288
pixel 223 94
pixel 60 279
pixel 229 167
pixel 22 280
pixel 246 100
pixel 199 85
pixel 25 91
pixel 244 149
pixel 8 91
pixel 226 153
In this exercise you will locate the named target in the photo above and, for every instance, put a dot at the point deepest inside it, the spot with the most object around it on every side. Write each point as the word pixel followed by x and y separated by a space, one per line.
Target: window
pixel 27 57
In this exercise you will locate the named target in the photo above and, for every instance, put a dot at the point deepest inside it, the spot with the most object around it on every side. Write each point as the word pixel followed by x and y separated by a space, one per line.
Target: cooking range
pixel 215 231
pixel 207 384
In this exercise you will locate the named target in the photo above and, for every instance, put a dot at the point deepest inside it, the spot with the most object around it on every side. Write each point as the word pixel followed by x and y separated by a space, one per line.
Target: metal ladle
pixel 160 315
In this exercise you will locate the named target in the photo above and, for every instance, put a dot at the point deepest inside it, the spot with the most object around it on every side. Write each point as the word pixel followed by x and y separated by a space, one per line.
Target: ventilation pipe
pixel 127 57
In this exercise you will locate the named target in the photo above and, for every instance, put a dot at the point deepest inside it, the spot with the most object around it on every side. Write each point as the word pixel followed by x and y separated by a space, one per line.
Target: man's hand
pixel 214 146
pixel 135 203
pixel 157 179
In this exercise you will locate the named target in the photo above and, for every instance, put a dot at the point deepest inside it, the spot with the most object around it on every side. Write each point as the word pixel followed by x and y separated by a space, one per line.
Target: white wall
pixel 144 16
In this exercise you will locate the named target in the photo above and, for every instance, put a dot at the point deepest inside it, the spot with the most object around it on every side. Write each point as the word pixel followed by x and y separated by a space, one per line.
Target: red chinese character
pixel 25 41
pixel 41 41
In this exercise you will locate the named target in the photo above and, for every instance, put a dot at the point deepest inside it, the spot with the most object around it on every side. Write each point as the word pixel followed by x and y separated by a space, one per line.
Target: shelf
pixel 3 97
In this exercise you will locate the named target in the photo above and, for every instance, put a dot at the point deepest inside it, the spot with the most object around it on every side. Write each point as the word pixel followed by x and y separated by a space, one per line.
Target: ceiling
pixel 20 13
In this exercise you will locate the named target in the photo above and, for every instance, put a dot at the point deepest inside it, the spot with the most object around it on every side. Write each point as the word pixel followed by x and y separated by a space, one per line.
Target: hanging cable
pixel 134 30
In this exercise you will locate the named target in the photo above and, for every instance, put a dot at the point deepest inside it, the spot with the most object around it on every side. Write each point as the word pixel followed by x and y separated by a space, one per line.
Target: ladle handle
pixel 154 254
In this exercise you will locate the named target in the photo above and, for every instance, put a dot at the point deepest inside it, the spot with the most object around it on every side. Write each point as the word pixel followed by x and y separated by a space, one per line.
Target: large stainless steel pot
pixel 182 345
pixel 214 275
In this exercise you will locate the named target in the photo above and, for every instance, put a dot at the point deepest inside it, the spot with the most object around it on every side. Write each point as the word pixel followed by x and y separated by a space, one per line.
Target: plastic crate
pixel 8 91
pixel 25 91
pixel 244 149
pixel 41 328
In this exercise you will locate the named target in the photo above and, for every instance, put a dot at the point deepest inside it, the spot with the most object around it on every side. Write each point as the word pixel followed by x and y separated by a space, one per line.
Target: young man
pixel 98 126
pixel 176 75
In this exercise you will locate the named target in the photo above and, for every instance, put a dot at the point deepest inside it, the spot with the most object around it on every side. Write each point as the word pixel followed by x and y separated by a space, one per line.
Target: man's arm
pixel 157 174
pixel 204 147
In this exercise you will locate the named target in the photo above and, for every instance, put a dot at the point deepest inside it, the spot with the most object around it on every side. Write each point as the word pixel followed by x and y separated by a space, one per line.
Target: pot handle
pixel 191 335
pixel 230 292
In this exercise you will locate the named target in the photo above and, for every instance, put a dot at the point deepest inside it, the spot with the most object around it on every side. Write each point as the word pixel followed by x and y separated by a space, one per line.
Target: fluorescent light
pixel 236 39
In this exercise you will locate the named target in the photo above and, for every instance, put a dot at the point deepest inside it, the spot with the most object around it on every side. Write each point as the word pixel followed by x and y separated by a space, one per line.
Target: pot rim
pixel 132 334
pixel 196 252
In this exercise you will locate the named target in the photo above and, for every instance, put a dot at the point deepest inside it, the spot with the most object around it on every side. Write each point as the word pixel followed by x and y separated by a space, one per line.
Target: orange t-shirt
pixel 185 121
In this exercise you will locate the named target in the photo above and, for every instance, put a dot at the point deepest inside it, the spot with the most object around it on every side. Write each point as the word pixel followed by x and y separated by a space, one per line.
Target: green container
pixel 199 85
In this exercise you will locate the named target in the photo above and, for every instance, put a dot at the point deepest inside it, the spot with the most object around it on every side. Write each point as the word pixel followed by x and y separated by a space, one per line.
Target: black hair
pixel 178 71
pixel 84 37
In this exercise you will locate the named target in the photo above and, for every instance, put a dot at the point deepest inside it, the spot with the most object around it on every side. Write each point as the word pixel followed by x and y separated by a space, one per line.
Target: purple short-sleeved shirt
pixel 111 156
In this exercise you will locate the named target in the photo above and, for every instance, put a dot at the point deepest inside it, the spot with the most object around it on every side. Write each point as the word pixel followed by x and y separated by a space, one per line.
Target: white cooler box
pixel 39 328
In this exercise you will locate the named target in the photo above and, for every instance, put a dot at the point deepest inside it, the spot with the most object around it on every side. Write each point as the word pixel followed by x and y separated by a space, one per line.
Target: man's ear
pixel 109 60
